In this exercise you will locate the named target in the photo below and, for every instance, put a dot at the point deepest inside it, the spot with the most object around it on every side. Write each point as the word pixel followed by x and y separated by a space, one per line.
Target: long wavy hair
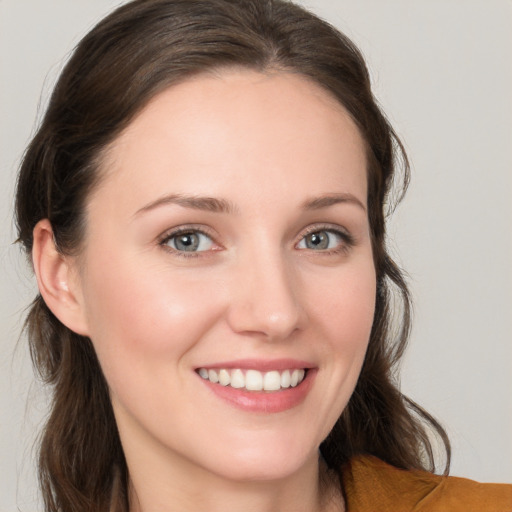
pixel 140 49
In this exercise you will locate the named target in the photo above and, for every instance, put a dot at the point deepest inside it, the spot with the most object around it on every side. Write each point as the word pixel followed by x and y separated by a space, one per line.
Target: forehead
pixel 238 127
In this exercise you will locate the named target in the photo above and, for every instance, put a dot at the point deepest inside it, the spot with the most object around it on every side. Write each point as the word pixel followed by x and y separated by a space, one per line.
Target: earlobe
pixel 57 280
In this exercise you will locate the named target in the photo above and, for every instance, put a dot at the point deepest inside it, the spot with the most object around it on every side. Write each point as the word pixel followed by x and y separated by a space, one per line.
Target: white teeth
pixel 224 378
pixel 297 377
pixel 253 380
pixel 285 379
pixel 237 379
pixel 272 381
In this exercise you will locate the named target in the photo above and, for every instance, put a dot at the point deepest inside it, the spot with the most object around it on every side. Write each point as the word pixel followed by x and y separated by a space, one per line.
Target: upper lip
pixel 262 365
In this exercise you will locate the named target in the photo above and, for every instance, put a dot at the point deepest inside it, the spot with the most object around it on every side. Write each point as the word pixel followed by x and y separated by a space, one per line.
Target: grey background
pixel 442 69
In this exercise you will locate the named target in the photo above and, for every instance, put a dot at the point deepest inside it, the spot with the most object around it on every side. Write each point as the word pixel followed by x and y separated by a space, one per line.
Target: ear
pixel 57 279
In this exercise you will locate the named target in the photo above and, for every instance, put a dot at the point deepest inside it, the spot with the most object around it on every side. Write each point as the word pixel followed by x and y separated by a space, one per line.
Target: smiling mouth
pixel 254 380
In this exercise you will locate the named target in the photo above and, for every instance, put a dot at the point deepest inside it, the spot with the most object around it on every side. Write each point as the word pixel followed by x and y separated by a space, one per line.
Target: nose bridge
pixel 264 296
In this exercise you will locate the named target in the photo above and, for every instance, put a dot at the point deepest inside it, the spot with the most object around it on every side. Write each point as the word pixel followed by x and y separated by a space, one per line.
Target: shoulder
pixel 371 485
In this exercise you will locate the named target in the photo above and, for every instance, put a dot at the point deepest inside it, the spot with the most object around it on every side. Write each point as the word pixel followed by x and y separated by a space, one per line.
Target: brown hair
pixel 137 51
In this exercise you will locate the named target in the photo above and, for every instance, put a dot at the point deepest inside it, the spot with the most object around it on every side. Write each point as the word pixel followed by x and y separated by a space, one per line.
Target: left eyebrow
pixel 316 203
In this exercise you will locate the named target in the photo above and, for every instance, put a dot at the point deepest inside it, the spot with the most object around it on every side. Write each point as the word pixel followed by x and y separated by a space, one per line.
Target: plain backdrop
pixel 442 70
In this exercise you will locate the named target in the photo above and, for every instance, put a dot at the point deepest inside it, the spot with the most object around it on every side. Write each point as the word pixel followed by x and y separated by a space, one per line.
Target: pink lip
pixel 262 365
pixel 262 401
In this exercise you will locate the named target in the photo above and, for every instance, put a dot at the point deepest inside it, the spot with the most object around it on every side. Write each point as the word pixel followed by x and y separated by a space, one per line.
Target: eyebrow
pixel 320 202
pixel 217 205
pixel 210 204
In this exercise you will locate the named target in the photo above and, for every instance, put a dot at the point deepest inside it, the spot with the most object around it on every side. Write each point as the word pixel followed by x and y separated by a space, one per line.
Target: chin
pixel 270 461
pixel 259 470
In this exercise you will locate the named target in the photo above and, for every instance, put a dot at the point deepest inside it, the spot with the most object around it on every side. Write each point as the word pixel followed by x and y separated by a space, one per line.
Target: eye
pixel 322 240
pixel 189 241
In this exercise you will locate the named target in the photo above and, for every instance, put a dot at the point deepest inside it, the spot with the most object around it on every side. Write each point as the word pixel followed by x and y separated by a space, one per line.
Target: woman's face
pixel 229 240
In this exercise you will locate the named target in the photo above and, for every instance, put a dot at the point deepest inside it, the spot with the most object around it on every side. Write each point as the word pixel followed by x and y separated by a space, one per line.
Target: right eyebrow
pixel 210 204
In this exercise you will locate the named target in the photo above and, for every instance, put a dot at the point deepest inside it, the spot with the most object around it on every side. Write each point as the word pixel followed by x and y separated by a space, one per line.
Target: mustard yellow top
pixel 371 485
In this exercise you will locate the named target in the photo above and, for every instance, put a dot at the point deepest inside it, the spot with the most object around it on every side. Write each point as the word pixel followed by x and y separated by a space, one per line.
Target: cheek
pixel 345 315
pixel 346 307
pixel 137 316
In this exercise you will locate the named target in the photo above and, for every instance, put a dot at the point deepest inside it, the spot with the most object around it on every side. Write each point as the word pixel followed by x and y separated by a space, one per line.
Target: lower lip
pixel 262 401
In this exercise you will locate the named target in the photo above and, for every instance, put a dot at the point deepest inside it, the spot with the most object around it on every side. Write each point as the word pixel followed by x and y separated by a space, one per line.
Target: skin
pixel 266 144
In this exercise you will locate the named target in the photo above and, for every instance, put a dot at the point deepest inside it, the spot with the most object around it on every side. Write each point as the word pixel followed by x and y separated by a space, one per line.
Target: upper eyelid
pixel 324 227
pixel 178 230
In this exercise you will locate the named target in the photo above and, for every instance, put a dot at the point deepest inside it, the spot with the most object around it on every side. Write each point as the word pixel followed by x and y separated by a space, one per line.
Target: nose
pixel 264 298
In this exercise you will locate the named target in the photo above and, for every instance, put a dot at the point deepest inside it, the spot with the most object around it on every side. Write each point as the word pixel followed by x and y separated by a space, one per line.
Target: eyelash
pixel 184 230
pixel 347 239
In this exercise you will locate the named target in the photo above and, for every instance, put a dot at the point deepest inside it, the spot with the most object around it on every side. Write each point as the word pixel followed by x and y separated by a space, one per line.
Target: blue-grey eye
pixel 191 241
pixel 320 240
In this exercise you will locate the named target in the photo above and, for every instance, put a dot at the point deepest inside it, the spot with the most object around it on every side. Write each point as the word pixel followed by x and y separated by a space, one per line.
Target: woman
pixel 204 208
